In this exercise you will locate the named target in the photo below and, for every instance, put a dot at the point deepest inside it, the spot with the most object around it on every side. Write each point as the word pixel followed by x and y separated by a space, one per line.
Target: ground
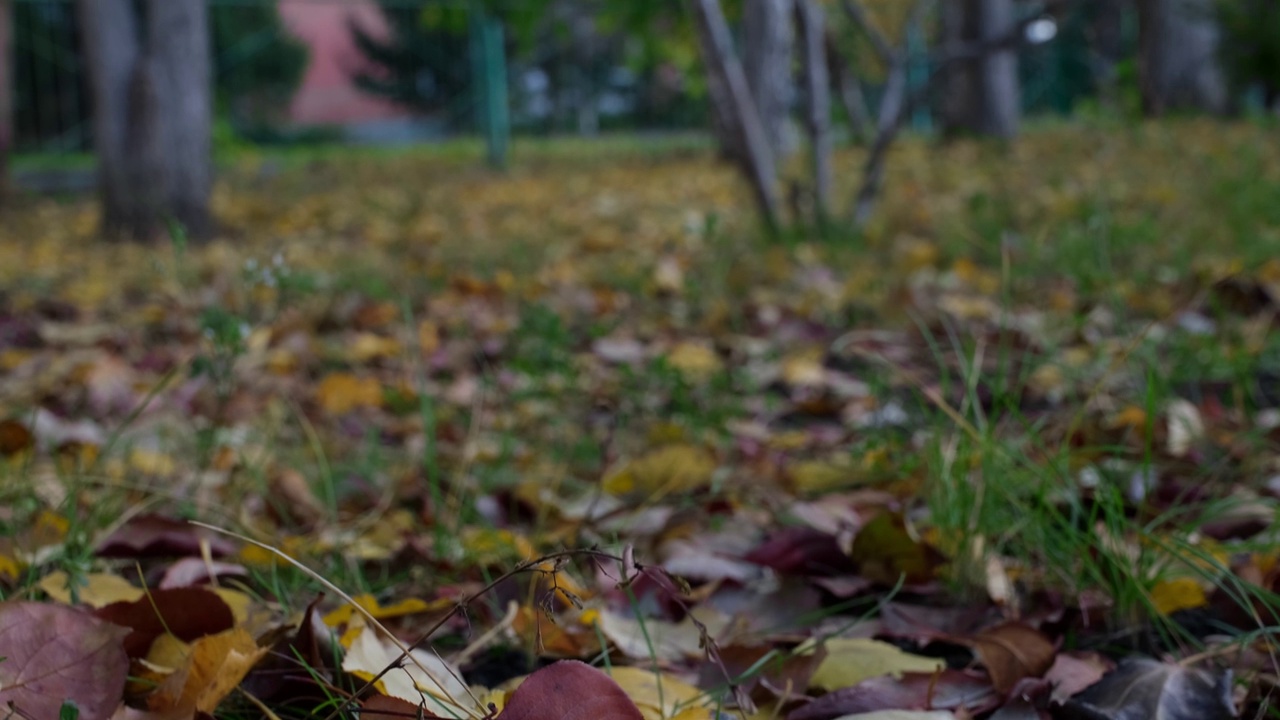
pixel 1024 426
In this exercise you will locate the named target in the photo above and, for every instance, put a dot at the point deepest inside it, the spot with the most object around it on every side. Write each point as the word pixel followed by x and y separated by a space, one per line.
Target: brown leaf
pixel 886 552
pixel 215 666
pixel 156 536
pixel 946 690
pixel 186 613
pixel 54 654
pixel 1012 651
pixel 14 438
pixel 570 690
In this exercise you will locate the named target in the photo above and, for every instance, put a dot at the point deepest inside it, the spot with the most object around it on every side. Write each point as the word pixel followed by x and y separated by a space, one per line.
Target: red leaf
pixel 53 654
pixel 570 690
pixel 188 613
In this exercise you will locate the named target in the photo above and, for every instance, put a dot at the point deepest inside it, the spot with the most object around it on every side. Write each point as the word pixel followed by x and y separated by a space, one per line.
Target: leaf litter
pixel 742 479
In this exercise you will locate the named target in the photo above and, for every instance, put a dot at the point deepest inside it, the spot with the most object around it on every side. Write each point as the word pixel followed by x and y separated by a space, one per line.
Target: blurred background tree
pixel 1250 47
pixel 258 64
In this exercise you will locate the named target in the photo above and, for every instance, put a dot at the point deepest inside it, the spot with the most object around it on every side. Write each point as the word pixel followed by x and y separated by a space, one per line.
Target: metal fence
pixel 289 70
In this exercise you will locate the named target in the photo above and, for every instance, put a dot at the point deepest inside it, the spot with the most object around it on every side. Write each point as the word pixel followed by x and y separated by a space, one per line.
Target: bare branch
pixel 879 40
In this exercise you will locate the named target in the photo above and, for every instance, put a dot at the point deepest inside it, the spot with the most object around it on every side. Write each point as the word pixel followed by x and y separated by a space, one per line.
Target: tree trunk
pixel 817 94
pixel 999 91
pixel 178 39
pixel 152 114
pixel 729 90
pixel 980 94
pixel 6 94
pixel 768 40
pixel 1177 57
pixel 957 104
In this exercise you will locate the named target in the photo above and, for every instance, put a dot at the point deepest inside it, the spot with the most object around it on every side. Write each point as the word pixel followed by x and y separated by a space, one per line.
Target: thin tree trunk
pixel 112 54
pixel 980 92
pixel 6 94
pixel 1177 57
pixel 729 88
pixel 812 24
pixel 958 97
pixel 998 71
pixel 849 88
pixel 178 38
pixel 768 40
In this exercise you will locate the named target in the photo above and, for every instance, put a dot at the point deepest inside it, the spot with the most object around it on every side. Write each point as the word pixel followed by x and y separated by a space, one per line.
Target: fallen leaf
pixel 98 590
pixel 187 613
pixel 945 690
pixel 1012 651
pixel 849 661
pixel 1186 426
pixel 1142 688
pixel 1170 596
pixel 658 695
pixel 14 438
pixel 670 469
pixel 421 677
pixel 214 667
pixel 694 360
pixel 886 553
pixel 54 654
pixel 146 536
pixel 660 639
pixel 569 690
pixel 340 393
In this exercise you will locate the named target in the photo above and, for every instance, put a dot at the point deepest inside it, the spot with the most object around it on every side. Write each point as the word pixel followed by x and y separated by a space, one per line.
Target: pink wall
pixel 328 95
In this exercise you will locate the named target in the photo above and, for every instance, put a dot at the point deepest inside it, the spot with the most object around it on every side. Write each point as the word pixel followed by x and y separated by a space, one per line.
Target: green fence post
pixel 489 73
pixel 918 78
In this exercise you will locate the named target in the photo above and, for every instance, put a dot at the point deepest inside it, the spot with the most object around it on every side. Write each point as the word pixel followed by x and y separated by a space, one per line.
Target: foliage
pixel 422 62
pixel 1250 44
pixel 259 64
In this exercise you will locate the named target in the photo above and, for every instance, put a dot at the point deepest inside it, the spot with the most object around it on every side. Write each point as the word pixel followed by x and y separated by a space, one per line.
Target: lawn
pixel 1034 409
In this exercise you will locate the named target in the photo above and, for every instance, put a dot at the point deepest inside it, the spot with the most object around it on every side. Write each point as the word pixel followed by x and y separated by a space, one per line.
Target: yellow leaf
pixel 671 469
pixel 849 661
pixel 1170 596
pixel 694 360
pixel 215 666
pixel 370 346
pixel 339 393
pixel 428 337
pixel 149 462
pixel 99 589
pixel 658 695
pixel 407 606
pixel 10 568
pixel 804 368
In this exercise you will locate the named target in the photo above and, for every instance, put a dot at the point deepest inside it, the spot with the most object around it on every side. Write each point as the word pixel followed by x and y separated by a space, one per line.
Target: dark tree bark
pixel 735 108
pixel 817 94
pixel 980 94
pixel 6 94
pixel 768 42
pixel 1178 57
pixel 1000 94
pixel 1106 37
pixel 152 114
